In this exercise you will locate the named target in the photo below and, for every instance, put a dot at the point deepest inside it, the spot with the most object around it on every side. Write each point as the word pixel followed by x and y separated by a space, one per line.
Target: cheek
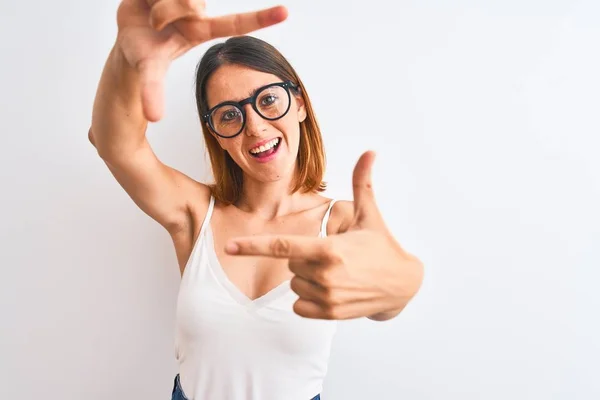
pixel 291 128
pixel 232 146
pixel 294 137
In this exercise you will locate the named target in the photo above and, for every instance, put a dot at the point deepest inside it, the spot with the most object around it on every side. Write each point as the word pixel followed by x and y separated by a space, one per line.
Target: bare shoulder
pixel 341 217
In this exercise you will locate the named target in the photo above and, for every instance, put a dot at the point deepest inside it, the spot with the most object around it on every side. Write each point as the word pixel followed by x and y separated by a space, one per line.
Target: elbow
pixel 97 146
pixel 91 137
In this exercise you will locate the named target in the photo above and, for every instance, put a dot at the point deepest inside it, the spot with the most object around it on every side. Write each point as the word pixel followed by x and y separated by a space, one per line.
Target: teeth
pixel 264 147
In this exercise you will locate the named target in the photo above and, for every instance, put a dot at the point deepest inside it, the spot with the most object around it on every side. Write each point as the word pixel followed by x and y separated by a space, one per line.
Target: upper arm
pixel 160 191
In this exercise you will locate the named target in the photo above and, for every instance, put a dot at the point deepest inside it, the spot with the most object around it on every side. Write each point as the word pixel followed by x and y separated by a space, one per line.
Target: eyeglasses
pixel 271 102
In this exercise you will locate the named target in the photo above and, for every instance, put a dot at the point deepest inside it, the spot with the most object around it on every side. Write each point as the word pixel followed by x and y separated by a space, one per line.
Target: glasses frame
pixel 252 101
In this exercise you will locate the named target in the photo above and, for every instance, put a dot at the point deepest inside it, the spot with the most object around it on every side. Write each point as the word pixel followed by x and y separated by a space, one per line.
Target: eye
pixel 268 100
pixel 230 115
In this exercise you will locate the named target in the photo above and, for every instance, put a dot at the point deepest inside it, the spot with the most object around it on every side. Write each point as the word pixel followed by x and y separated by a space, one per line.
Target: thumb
pixel 152 76
pixel 365 207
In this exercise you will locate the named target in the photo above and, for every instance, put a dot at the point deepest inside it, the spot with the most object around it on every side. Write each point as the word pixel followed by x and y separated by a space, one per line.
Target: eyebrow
pixel 253 91
pixel 250 94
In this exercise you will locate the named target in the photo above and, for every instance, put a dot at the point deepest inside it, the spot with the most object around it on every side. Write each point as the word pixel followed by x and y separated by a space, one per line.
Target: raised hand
pixel 362 272
pixel 153 33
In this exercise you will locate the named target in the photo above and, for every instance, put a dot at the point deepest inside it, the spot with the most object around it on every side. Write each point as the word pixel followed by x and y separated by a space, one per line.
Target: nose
pixel 255 124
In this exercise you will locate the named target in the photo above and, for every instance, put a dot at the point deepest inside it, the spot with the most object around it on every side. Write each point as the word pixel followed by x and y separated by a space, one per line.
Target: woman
pixel 268 264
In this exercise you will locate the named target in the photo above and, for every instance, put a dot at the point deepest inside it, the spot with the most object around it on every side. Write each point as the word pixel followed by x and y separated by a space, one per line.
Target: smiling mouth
pixel 266 149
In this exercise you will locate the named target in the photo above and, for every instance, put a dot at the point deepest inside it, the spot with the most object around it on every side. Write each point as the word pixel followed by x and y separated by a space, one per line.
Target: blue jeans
pixel 179 395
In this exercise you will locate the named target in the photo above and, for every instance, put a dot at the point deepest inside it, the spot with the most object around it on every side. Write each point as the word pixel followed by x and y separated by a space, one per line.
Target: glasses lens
pixel 227 120
pixel 273 102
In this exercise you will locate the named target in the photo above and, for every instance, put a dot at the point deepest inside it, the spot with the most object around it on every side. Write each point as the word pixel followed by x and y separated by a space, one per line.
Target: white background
pixel 485 118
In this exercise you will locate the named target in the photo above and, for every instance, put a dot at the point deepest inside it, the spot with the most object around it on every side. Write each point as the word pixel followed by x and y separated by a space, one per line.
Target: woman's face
pixel 265 150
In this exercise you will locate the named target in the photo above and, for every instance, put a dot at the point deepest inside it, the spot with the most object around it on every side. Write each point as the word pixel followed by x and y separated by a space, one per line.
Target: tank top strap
pixel 323 232
pixel 211 206
pixel 191 264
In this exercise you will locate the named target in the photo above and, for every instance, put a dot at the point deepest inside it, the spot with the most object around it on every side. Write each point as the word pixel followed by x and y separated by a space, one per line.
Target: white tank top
pixel 230 347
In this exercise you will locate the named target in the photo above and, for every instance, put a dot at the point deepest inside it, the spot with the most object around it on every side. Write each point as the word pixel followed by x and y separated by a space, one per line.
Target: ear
pixel 300 105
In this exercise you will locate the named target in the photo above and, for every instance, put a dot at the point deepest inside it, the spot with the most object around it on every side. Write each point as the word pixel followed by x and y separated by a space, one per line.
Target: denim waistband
pixel 178 394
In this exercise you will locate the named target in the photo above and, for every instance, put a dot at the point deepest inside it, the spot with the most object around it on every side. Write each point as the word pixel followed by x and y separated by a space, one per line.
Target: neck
pixel 269 200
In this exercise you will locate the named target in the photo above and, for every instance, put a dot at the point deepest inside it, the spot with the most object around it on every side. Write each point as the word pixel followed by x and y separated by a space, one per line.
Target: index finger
pixel 280 246
pixel 240 24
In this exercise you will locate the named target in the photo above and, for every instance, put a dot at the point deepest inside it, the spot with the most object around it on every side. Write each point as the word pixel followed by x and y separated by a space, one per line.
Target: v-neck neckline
pixel 234 291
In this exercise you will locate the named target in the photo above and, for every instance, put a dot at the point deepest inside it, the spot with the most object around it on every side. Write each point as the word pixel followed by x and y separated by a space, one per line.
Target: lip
pixel 271 156
pixel 262 142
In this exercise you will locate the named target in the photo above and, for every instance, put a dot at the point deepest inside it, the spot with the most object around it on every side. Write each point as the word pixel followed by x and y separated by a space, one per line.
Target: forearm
pixel 118 123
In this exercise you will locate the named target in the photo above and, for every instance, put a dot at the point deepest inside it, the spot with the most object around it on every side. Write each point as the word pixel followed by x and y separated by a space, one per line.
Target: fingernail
pixel 232 248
